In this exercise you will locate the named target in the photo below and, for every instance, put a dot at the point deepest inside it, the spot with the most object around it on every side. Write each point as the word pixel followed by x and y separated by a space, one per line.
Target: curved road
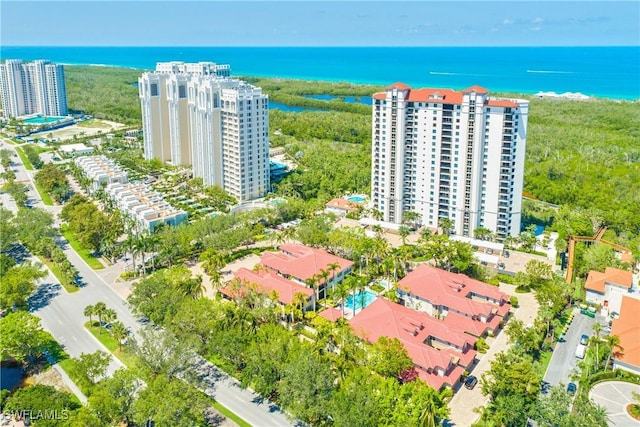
pixel 62 315
pixel 615 396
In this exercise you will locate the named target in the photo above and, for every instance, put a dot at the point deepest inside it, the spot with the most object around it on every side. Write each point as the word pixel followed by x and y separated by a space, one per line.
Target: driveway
pixel 615 396
pixel 564 361
pixel 464 401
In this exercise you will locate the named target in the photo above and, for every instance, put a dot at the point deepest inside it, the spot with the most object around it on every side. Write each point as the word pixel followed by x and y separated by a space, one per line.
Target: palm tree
pixel 99 310
pixel 192 287
pixel 352 283
pixel 89 311
pixel 298 302
pixel 446 224
pixel 597 328
pixel 312 282
pixel 324 275
pixel 377 215
pixel 613 342
pixel 342 292
pixel 119 332
pixel 333 267
pixel 411 217
pixel 404 233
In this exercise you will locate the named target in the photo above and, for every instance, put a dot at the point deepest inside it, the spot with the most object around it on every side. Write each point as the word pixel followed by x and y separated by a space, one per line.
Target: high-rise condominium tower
pixel 449 154
pixel 195 114
pixel 36 87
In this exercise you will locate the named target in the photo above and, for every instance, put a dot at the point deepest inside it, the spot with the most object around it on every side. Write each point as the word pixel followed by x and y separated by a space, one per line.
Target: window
pixel 154 89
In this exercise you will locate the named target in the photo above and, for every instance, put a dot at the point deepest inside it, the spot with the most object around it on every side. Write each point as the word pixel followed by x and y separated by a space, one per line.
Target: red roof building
pixel 608 288
pixel 342 206
pixel 441 293
pixel 266 282
pixel 627 328
pixel 440 353
pixel 300 263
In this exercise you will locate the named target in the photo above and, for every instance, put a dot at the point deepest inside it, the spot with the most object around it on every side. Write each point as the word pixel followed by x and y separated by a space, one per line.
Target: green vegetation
pixel 23 158
pixel 92 261
pixel 33 156
pixel 94 124
pixel 111 344
pixel 50 179
pixel 104 92
pixel 55 269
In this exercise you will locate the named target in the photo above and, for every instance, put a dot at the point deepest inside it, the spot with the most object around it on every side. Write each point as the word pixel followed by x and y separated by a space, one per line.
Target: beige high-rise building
pixel 36 87
pixel 196 115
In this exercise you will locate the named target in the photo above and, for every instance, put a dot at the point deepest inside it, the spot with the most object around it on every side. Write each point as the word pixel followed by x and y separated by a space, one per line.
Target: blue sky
pixel 320 23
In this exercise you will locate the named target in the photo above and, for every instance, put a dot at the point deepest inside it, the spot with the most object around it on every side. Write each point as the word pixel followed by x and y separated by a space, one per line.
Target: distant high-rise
pixel 449 154
pixel 36 87
pixel 195 114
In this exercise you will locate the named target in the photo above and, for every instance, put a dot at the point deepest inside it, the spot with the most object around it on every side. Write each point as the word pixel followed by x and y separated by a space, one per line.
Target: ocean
pixel 608 72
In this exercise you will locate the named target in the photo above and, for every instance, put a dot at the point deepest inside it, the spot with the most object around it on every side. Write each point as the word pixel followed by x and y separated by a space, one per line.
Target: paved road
pixel 615 396
pixel 564 361
pixel 62 315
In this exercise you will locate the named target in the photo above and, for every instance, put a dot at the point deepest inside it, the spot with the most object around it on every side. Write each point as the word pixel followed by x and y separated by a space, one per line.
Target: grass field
pixel 95 123
pixel 93 262
pixel 23 157
pixel 46 199
pixel 56 272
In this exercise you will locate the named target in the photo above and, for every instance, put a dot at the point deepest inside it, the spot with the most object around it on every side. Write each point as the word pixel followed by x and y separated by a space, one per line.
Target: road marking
pixel 74 338
pixel 60 321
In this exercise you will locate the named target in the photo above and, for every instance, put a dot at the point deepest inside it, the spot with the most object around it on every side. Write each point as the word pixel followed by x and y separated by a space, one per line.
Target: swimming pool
pixel 40 120
pixel 357 199
pixel 362 300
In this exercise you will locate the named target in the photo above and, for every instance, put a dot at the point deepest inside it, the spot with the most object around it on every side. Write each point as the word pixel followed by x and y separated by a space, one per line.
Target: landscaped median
pixel 46 199
pixel 23 158
pixel 56 272
pixel 92 261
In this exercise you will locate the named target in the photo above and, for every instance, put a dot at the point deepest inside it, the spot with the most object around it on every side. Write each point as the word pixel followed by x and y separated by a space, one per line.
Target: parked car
pixel 580 351
pixel 584 339
pixel 506 254
pixel 471 382
pixel 571 388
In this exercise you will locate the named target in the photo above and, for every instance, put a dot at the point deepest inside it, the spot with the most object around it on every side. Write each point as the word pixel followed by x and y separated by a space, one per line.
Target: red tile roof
pixel 380 95
pixel 385 318
pixel 332 314
pixel 398 85
pixel 596 280
pixel 627 328
pixel 302 262
pixel 343 204
pixel 467 324
pixel 501 103
pixel 447 289
pixel 476 89
pixel 412 328
pixel 267 282
pixel 438 96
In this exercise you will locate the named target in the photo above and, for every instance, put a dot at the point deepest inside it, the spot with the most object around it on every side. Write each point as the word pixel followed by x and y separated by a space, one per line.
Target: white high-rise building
pixel 36 87
pixel 449 154
pixel 195 114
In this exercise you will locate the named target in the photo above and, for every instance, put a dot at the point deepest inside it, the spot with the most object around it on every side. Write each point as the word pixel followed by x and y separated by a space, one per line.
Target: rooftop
pixel 302 262
pixel 452 290
pixel 596 280
pixel 627 328
pixel 268 282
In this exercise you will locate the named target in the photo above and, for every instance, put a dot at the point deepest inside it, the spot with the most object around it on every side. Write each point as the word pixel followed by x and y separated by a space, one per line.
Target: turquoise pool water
pixel 362 300
pixel 42 120
pixel 357 199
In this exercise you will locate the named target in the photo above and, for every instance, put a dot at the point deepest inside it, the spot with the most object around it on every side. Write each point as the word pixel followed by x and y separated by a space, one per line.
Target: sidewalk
pixel 67 380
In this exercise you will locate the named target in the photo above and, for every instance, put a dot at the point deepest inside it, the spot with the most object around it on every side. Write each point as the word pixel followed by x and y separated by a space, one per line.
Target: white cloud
pixel 507 22
pixel 536 28
pixel 537 20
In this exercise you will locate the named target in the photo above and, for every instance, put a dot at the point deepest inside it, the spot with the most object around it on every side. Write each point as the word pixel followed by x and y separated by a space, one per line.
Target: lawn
pixel 545 358
pixel 46 199
pixel 23 158
pixel 56 272
pixel 94 124
pixel 111 344
pixel 93 262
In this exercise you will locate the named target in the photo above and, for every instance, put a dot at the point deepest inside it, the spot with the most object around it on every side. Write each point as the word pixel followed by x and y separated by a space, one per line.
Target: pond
pixel 10 378
pixel 291 108
pixel 366 100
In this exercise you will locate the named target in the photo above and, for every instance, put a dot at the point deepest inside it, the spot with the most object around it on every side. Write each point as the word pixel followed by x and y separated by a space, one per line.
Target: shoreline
pixel 369 83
